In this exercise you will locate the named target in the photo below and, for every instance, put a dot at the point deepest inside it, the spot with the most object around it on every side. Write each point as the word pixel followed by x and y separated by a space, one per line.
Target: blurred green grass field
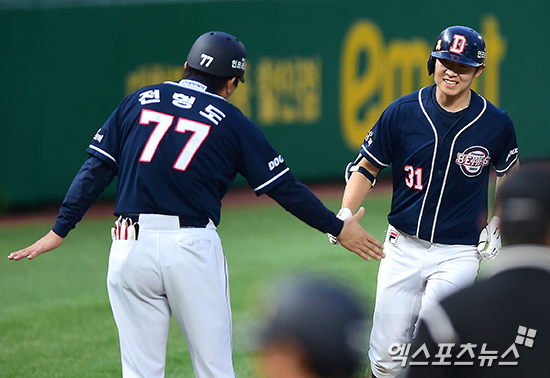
pixel 55 319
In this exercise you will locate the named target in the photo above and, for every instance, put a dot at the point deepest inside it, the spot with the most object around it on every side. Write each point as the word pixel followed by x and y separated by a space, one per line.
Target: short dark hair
pixel 524 202
pixel 216 82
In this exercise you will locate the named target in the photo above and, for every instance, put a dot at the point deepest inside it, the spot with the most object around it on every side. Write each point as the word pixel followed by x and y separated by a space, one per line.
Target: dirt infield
pixel 235 198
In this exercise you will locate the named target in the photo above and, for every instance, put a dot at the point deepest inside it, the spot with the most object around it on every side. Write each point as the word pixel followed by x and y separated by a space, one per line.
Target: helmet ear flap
pixel 431 65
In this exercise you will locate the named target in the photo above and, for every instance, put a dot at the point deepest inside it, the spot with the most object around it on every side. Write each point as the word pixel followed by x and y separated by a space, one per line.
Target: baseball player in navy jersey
pixel 176 148
pixel 440 141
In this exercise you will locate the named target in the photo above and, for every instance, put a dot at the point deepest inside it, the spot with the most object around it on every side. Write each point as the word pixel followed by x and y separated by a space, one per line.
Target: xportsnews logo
pixel 472 160
pixel 465 354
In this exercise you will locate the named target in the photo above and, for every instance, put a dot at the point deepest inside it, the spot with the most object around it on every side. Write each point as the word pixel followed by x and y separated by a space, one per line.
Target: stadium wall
pixel 319 73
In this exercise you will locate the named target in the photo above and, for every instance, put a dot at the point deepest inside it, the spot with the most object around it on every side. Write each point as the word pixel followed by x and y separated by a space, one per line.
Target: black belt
pixel 184 221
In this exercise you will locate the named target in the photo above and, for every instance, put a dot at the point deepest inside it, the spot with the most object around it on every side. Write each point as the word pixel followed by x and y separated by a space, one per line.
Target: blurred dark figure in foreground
pixel 316 327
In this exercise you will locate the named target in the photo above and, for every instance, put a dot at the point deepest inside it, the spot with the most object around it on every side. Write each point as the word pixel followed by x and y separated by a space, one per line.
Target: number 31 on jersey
pixel 414 177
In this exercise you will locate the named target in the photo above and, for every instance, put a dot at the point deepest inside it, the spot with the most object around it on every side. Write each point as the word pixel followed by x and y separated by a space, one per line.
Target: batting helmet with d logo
pixel 460 44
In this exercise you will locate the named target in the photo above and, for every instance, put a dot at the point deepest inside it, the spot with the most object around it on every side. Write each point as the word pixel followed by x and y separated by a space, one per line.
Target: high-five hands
pixel 354 237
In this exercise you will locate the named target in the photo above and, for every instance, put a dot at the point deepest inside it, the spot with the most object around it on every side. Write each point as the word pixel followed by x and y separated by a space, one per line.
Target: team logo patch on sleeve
pixel 472 160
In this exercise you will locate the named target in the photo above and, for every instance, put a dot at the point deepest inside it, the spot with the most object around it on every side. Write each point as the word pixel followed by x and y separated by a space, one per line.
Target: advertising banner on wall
pixel 319 74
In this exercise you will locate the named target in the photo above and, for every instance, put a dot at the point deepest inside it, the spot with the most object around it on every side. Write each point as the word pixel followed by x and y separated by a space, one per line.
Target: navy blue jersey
pixel 177 147
pixel 440 163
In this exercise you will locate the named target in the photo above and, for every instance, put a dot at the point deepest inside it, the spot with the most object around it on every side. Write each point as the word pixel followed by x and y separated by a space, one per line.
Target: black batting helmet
pixel 460 44
pixel 219 54
pixel 326 317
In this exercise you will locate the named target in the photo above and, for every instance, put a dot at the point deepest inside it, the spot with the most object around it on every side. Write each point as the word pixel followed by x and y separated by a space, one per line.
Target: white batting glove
pixel 343 214
pixel 125 229
pixel 490 241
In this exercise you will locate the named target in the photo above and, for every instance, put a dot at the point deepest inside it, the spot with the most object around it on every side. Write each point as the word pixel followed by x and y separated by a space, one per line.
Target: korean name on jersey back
pixel 183 101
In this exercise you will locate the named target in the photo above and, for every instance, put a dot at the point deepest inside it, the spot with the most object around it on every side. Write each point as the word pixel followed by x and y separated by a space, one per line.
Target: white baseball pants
pixel 171 270
pixel 413 274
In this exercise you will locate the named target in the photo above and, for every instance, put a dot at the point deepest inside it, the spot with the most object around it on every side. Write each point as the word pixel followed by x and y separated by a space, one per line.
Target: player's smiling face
pixel 454 79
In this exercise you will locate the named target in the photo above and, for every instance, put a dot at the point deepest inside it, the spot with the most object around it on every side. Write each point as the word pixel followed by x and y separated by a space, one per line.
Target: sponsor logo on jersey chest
pixel 472 160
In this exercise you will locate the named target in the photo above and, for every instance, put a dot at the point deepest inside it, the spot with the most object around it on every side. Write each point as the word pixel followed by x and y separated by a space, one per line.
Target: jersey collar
pixel 196 84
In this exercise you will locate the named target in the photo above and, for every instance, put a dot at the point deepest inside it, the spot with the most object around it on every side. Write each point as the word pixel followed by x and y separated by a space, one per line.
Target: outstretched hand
pixel 50 241
pixel 354 238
